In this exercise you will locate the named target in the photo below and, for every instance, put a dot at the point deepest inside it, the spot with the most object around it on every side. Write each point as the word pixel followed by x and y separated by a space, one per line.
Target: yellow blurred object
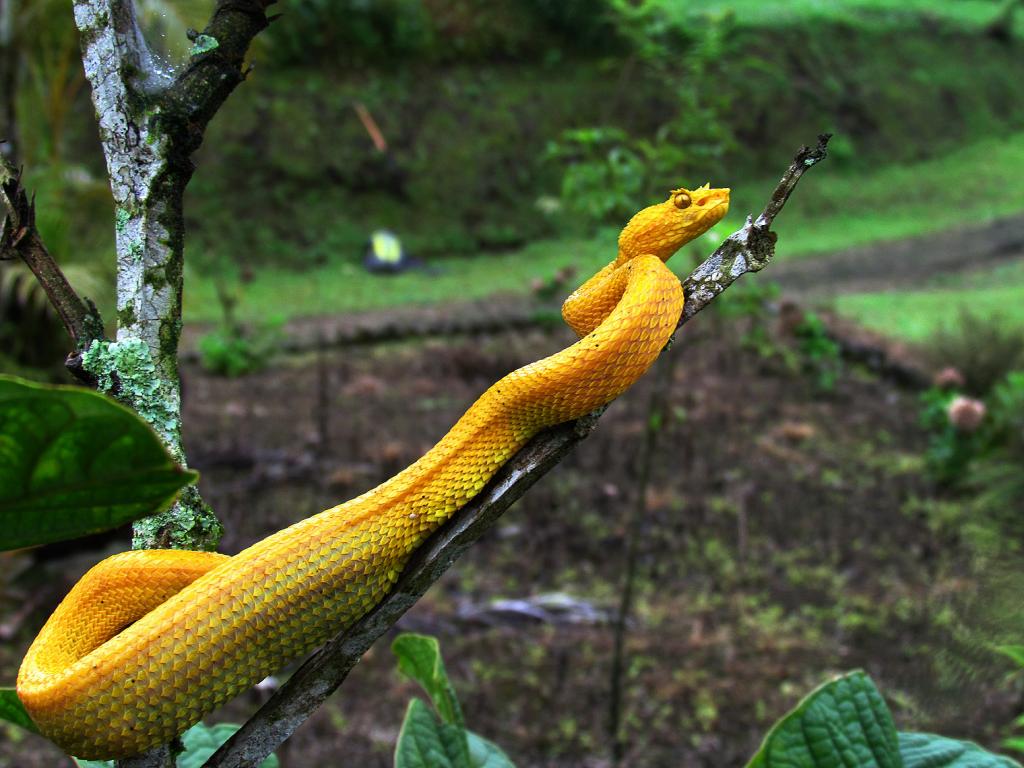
pixel 150 641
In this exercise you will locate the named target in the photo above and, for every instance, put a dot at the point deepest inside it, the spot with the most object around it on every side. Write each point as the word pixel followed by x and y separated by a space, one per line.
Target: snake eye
pixel 681 200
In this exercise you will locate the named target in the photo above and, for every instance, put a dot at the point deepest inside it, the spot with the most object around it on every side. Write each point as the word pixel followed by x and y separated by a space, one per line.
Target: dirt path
pixel 893 264
pixel 903 263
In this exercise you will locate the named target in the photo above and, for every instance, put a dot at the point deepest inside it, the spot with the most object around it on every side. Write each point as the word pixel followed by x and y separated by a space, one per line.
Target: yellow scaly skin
pixel 148 642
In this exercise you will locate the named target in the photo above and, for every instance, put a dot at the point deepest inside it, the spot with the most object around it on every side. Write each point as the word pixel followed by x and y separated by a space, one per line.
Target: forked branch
pixel 749 249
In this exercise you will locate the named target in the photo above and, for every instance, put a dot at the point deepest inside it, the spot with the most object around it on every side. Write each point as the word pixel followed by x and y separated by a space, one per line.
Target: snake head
pixel 662 228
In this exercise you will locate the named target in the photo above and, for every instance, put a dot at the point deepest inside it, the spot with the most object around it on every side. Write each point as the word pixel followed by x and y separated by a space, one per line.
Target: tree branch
pixel 150 122
pixel 748 250
pixel 19 238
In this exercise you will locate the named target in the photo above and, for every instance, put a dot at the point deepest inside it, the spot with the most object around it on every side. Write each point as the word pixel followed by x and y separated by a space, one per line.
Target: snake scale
pixel 148 642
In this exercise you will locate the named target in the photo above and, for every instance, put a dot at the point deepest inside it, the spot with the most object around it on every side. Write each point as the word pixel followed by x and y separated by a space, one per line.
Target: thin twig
pixel 752 247
pixel 19 238
pixel 748 250
pixel 634 529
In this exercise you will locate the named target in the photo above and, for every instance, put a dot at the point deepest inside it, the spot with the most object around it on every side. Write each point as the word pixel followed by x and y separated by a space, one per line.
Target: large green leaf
pixel 201 741
pixel 74 462
pixel 1014 653
pixel 844 722
pixel 419 657
pixel 925 750
pixel 486 754
pixel 425 742
pixel 13 711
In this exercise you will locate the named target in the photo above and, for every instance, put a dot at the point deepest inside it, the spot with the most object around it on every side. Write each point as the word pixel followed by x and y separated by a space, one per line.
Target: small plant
pixel 846 722
pixel 999 474
pixel 1014 653
pixel 952 445
pixel 819 351
pixel 984 349
pixel 231 350
pixel 438 737
pixel 979 442
pixel 603 173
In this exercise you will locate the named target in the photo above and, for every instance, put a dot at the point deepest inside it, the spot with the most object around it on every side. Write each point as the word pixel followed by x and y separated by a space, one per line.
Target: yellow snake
pixel 148 642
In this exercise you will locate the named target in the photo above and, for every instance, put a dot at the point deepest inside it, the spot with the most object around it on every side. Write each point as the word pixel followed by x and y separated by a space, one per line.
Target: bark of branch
pixel 748 250
pixel 150 122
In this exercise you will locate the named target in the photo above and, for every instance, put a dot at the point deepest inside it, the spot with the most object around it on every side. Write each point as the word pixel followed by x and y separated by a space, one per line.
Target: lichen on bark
pixel 126 370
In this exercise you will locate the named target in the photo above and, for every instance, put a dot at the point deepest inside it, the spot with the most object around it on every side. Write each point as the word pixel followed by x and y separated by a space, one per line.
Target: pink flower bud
pixel 949 378
pixel 966 413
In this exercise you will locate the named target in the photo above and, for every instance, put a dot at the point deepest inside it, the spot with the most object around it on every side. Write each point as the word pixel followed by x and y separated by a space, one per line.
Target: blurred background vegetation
pixel 526 131
pixel 872 504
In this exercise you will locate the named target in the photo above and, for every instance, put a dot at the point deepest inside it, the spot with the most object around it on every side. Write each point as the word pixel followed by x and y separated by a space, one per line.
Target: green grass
pixel 915 315
pixel 346 287
pixel 833 208
pixel 774 13
pixel 836 208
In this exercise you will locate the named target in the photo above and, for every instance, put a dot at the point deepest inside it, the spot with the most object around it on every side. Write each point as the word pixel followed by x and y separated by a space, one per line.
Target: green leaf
pixel 842 723
pixel 93 763
pixel 424 742
pixel 1016 743
pixel 201 741
pixel 486 754
pixel 419 657
pixel 74 462
pixel 925 750
pixel 1013 652
pixel 13 711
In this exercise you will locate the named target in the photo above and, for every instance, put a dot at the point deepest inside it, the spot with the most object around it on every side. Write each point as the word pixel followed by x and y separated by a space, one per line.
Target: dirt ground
pixel 789 535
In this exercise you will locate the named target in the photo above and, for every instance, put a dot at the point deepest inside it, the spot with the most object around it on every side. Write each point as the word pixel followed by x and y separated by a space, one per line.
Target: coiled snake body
pixel 148 642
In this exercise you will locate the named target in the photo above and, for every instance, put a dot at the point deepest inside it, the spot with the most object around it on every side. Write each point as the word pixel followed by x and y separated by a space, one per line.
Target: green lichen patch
pixel 135 250
pixel 126 369
pixel 189 524
pixel 203 44
pixel 121 219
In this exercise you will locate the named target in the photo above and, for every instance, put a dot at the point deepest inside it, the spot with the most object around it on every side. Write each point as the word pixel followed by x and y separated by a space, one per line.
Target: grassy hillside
pixel 289 177
pixel 835 208
pixel 915 315
pixel 289 185
pixel 777 13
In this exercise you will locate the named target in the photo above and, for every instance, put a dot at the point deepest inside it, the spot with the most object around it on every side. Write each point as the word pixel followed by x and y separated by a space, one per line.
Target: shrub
pixel 983 348
pixel 999 474
pixel 820 353
pixel 231 350
pixel 603 173
pixel 950 449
